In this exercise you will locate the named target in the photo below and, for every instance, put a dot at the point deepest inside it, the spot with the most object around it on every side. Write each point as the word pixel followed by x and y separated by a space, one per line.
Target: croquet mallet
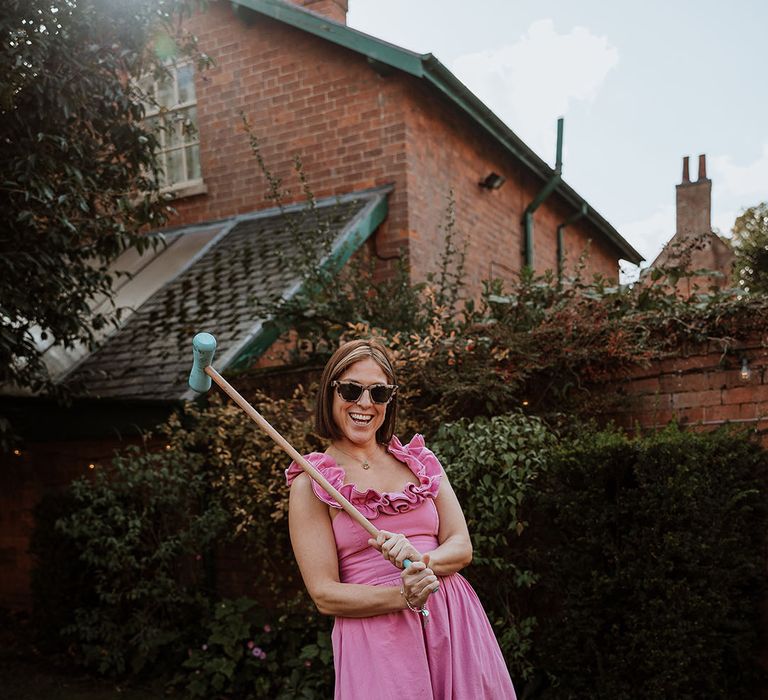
pixel 204 346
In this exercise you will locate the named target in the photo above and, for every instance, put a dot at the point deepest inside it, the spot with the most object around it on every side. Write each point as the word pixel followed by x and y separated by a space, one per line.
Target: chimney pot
pixel 702 167
pixel 686 175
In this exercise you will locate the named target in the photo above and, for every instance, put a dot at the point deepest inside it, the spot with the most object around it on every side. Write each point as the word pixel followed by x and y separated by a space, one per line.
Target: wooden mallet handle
pixel 204 346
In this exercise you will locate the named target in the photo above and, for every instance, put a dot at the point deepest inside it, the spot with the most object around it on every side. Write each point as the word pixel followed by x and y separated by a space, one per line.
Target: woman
pixel 420 630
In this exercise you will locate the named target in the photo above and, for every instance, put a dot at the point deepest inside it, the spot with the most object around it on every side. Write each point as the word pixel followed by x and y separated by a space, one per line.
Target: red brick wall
pixel 702 390
pixel 43 468
pixel 355 129
pixel 303 96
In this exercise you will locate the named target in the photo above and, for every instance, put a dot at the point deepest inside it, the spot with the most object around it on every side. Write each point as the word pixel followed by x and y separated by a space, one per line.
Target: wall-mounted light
pixel 492 181
pixel 745 372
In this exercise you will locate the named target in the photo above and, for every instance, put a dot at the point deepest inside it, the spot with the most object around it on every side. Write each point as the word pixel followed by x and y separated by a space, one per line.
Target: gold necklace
pixel 364 463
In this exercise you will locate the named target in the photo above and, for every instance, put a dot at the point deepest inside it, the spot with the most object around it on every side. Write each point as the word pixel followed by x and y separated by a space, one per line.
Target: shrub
pixel 651 554
pixel 493 465
pixel 141 528
pixel 244 655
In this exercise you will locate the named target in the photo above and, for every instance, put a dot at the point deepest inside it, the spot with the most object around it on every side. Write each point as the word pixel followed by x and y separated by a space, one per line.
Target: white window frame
pixel 187 187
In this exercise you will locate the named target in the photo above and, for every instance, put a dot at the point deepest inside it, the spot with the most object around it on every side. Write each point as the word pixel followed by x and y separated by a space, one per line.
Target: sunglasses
pixel 352 391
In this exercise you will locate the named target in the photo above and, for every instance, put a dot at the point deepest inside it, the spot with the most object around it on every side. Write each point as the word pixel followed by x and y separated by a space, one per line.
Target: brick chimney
pixel 332 9
pixel 694 201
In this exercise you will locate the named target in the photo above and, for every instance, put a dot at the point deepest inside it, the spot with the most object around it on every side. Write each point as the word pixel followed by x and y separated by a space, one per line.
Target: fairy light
pixel 91 466
pixel 525 402
pixel 745 372
pixel 17 452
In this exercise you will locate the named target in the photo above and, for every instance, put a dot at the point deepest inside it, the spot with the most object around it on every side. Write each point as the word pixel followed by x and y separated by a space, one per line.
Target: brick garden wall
pixel 702 389
pixel 41 469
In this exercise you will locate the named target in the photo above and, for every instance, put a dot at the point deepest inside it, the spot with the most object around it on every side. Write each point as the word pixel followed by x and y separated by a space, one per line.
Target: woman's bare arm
pixel 455 549
pixel 315 550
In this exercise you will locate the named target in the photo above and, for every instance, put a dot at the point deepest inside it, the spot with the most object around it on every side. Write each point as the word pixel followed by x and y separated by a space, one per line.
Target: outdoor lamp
pixel 745 373
pixel 492 181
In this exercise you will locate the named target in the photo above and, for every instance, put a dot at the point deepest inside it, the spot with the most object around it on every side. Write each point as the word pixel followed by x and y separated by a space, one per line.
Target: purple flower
pixel 267 628
pixel 250 644
pixel 258 652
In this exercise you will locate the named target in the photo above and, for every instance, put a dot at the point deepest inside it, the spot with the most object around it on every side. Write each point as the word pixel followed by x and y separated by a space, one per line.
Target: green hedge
pixel 493 465
pixel 651 556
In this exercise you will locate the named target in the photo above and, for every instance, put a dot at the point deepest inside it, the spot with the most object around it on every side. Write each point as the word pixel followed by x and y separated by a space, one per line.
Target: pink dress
pixel 455 654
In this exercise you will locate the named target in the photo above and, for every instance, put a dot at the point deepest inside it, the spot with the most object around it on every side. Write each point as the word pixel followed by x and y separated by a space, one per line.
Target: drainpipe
pixel 548 188
pixel 561 238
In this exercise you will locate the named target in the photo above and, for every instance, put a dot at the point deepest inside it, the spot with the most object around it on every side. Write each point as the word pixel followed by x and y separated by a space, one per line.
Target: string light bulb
pixel 745 372
pixel 91 466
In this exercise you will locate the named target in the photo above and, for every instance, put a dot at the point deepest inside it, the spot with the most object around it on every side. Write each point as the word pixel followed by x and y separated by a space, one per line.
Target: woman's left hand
pixel 395 547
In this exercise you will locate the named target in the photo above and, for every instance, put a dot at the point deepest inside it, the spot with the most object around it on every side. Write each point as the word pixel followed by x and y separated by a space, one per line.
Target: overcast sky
pixel 640 85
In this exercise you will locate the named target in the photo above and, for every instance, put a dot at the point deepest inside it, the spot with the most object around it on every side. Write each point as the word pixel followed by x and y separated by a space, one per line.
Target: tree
pixel 79 176
pixel 750 232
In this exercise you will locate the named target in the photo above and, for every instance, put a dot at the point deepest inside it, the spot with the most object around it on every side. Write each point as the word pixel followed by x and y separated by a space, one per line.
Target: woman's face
pixel 358 421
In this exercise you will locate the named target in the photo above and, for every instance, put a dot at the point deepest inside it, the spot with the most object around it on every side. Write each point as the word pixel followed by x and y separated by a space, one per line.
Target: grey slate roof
pixel 151 355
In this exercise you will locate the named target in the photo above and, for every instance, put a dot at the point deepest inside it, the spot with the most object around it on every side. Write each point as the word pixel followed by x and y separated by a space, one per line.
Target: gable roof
pixel 426 67
pixel 150 356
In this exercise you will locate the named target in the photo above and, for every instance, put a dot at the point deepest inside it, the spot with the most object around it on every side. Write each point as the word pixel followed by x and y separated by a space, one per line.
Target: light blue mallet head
pixel 203 347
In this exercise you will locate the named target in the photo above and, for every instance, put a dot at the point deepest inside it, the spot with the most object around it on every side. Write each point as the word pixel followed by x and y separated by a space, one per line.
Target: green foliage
pixel 550 348
pixel 75 157
pixel 494 465
pixel 142 528
pixel 750 233
pixel 246 475
pixel 148 531
pixel 246 656
pixel 651 557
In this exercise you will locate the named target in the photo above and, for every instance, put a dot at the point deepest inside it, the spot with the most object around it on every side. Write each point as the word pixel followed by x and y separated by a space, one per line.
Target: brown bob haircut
pixel 340 361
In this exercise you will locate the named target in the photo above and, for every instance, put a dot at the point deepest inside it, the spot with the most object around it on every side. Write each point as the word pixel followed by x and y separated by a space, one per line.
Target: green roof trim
pixel 427 67
pixel 355 233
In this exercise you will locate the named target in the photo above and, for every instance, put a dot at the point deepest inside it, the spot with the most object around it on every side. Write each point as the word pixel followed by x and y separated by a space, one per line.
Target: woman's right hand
pixel 419 582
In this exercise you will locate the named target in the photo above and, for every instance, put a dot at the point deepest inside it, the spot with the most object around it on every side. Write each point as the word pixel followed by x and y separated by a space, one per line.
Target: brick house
pixel 384 135
pixel 695 246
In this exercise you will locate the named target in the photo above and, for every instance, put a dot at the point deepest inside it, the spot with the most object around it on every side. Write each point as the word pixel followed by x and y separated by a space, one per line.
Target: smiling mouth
pixel 360 418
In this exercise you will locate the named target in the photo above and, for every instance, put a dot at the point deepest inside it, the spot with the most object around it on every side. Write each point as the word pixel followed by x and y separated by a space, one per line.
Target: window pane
pixel 157 127
pixel 193 162
pixel 175 126
pixel 190 124
pixel 175 167
pixel 162 178
pixel 165 96
pixel 186 80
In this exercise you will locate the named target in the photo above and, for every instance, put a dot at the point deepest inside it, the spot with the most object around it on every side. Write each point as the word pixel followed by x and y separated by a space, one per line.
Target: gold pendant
pixel 365 465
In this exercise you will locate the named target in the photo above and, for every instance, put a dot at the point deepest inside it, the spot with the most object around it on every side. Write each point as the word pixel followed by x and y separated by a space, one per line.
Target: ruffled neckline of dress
pixel 371 503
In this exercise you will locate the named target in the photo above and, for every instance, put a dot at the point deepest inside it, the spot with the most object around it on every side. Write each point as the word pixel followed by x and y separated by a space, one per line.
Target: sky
pixel 640 85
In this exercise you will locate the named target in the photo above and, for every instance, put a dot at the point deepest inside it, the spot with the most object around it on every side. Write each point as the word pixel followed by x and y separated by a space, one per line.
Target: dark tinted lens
pixel 349 391
pixel 380 393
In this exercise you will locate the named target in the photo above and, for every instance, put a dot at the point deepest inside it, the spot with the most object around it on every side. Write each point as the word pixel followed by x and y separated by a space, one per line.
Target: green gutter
pixel 561 239
pixel 427 67
pixel 540 198
pixel 356 233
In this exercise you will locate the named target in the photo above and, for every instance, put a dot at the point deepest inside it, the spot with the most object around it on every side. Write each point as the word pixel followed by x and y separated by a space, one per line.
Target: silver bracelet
pixel 422 610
